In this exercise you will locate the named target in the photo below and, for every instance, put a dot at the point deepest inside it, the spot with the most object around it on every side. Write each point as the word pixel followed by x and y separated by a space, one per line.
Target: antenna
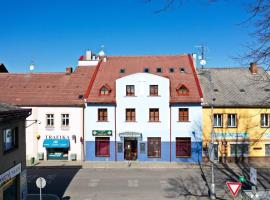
pixel 203 49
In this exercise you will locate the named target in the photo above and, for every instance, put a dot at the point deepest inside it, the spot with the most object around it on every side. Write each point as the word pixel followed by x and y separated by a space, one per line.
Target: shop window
pixel 265 120
pixel 130 115
pixel 218 120
pixel 49 120
pixel 183 115
pixel 239 150
pixel 102 115
pixel 232 120
pixel 154 115
pixel 130 90
pixel 183 147
pixel 102 146
pixel 154 147
pixel 65 120
pixel 10 139
pixel 153 90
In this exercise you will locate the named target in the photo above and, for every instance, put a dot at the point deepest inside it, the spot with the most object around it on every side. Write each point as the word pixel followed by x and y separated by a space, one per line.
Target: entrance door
pixel 130 146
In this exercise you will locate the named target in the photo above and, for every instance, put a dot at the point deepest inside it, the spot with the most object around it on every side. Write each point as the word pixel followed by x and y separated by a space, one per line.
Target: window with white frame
pixel 218 120
pixel 265 120
pixel 239 149
pixel 267 149
pixel 65 120
pixel 49 120
pixel 232 120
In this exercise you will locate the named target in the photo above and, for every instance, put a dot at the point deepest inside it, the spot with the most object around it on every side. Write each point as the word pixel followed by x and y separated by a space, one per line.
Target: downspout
pixel 115 152
pixel 83 140
pixel 170 133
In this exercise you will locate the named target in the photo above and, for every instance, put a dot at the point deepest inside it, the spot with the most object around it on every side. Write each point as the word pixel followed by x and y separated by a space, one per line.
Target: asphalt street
pixel 130 184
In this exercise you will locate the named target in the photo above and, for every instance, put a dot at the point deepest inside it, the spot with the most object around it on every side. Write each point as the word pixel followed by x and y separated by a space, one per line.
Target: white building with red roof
pixel 145 108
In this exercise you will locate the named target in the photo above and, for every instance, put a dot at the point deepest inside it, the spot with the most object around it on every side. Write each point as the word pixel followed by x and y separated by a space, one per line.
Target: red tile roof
pixel 45 89
pixel 107 72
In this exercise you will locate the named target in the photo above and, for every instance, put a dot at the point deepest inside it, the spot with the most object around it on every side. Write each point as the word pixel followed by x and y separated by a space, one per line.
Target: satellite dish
pixel 202 62
pixel 32 67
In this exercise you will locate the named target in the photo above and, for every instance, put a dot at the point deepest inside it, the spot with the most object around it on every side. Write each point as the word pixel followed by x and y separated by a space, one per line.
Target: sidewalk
pixel 138 164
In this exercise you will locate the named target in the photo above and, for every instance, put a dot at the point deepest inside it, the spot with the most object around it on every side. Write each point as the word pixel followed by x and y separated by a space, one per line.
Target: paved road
pixel 134 184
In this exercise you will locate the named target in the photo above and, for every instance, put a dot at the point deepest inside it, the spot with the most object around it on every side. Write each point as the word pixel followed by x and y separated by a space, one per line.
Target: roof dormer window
pixel 105 90
pixel 182 90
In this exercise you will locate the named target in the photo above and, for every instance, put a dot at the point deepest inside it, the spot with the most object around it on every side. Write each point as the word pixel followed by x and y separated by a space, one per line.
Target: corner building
pixel 145 108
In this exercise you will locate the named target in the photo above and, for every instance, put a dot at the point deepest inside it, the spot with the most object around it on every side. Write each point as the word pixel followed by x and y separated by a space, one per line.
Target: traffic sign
pixel 234 187
pixel 40 182
pixel 253 176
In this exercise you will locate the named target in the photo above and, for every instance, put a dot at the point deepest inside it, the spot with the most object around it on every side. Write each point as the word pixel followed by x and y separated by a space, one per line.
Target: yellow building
pixel 236 113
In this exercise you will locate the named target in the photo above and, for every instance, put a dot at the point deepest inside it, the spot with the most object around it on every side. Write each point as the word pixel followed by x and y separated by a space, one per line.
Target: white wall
pixel 75 128
pixel 142 102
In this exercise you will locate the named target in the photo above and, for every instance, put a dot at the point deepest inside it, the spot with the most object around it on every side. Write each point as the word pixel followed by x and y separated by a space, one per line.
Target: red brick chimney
pixel 69 70
pixel 253 68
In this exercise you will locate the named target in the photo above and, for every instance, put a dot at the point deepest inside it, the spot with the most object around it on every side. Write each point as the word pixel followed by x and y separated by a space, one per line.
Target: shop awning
pixel 56 143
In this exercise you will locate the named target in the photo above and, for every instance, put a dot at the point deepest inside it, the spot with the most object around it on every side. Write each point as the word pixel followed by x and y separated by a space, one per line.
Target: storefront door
pixel 130 146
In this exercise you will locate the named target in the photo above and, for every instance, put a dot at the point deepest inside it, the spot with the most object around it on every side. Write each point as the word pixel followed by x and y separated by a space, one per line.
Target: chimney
pixel 69 70
pixel 88 55
pixel 253 68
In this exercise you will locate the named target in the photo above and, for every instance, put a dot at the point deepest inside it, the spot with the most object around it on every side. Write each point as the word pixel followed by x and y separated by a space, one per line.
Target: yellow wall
pixel 248 121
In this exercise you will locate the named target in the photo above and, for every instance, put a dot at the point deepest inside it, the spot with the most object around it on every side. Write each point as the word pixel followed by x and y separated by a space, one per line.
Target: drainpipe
pixel 115 152
pixel 170 133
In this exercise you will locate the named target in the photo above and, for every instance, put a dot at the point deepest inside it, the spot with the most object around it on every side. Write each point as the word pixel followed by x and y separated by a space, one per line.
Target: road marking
pixel 133 183
pixel 93 182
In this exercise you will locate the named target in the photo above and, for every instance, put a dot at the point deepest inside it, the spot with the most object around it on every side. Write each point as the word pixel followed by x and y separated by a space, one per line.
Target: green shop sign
pixel 102 132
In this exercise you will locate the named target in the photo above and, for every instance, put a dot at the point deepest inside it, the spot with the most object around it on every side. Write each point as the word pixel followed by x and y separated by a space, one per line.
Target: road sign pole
pixel 40 197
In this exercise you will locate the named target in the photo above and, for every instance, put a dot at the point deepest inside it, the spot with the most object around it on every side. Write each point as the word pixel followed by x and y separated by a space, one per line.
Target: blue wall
pixel 196 155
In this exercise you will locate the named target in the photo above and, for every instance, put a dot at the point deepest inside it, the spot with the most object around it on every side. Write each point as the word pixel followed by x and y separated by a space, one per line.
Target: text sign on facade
pixel 14 171
pixel 102 132
pixel 253 176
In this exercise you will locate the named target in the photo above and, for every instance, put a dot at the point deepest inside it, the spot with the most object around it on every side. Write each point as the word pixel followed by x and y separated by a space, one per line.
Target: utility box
pixel 40 156
pixel 73 156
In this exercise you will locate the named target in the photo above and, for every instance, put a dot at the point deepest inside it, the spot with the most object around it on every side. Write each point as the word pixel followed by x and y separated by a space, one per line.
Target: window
pixel 267 149
pixel 120 147
pixel 265 120
pixel 218 120
pixel 122 71
pixel 146 70
pixel 183 114
pixel 10 139
pixel 153 90
pixel 182 70
pixel 50 120
pixel 183 147
pixel 154 147
pixel 65 119
pixel 239 149
pixel 171 70
pixel 232 120
pixel 182 90
pixel 130 90
pixel 102 115
pixel 104 91
pixel 102 146
pixel 130 115
pixel 159 70
pixel 153 114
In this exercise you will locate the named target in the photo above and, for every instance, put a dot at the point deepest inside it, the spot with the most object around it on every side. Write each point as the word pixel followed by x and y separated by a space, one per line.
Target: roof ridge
pixel 135 56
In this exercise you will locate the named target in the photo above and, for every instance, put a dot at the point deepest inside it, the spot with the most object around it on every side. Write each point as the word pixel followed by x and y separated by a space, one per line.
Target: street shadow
pixel 57 179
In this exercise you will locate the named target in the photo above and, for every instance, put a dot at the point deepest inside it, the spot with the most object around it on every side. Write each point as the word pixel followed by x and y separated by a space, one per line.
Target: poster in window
pixel 142 147
pixel 120 147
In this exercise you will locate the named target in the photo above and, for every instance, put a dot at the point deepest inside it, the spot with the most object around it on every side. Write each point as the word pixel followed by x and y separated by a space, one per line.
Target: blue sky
pixel 54 33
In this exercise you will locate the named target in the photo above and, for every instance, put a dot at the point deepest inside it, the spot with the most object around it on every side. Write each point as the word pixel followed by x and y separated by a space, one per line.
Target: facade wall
pixel 35 146
pixel 248 130
pixel 14 157
pixel 142 102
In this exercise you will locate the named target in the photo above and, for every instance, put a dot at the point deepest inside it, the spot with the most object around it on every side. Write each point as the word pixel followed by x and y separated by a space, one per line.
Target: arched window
pixel 182 90
pixel 105 90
